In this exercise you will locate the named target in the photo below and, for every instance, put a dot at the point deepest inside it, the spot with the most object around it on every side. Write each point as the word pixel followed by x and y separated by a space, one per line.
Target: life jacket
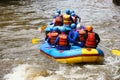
pixel 82 33
pixel 91 40
pixel 67 19
pixel 49 34
pixel 63 40
pixel 74 19
pixel 61 15
pixel 58 21
pixel 53 37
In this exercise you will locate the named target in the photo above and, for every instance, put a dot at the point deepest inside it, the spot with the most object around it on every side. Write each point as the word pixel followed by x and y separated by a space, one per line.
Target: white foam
pixel 30 72
pixel 18 73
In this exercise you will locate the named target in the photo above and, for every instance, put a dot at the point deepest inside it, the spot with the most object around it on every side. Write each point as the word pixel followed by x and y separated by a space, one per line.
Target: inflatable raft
pixel 74 55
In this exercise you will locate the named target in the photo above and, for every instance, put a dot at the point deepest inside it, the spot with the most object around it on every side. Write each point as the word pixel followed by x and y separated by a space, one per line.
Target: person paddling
pixel 67 18
pixel 74 36
pixel 52 36
pixel 58 20
pixel 62 42
pixel 91 38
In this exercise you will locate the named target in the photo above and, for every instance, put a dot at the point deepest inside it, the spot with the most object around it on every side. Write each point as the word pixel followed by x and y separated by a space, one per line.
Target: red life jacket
pixel 63 40
pixel 82 33
pixel 58 21
pixel 91 40
pixel 53 37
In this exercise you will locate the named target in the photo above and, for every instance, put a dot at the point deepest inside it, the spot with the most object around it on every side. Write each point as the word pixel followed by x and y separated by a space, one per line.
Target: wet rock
pixel 116 2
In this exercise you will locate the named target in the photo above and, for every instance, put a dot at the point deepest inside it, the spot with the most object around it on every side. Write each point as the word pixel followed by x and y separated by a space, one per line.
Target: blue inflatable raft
pixel 74 55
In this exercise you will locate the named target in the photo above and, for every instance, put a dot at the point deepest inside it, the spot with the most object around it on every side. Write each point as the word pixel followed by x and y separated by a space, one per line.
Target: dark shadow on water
pixel 15 2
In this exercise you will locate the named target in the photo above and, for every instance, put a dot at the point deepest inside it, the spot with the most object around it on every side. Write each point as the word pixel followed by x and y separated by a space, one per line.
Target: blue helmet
pixel 63 30
pixel 73 26
pixel 67 11
pixel 55 29
pixel 51 29
pixel 59 11
pixel 73 14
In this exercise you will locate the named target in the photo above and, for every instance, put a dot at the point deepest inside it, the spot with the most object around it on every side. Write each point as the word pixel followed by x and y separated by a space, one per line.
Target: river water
pixel 21 60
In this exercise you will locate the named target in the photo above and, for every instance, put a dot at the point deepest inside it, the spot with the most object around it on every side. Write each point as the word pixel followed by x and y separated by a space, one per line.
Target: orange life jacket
pixel 61 15
pixel 49 34
pixel 53 37
pixel 82 33
pixel 91 40
pixel 58 21
pixel 67 19
pixel 63 40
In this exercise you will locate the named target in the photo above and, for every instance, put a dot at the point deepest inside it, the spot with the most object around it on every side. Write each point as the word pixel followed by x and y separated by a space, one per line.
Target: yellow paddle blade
pixel 42 28
pixel 35 40
pixel 116 52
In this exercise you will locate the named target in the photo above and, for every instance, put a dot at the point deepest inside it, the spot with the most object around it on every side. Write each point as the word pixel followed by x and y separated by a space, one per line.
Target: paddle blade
pixel 35 40
pixel 116 52
pixel 42 28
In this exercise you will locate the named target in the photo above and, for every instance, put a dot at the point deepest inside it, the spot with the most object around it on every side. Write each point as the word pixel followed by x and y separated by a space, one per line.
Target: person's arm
pixel 71 19
pixel 78 18
pixel 85 36
pixel 69 36
pixel 75 38
pixel 97 38
pixel 48 40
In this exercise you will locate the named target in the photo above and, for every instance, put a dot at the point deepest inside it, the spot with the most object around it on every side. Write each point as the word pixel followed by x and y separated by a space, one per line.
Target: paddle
pixel 114 51
pixel 35 40
pixel 42 28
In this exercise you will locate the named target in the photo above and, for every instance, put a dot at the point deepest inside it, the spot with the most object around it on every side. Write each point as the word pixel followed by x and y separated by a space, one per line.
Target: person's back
pixel 75 17
pixel 91 38
pixel 49 33
pixel 59 12
pixel 75 37
pixel 62 42
pixel 82 31
pixel 73 34
pixel 82 34
pixel 58 21
pixel 67 18
pixel 52 36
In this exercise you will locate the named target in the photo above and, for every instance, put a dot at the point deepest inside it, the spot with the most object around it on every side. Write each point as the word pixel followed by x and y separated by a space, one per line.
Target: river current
pixel 19 23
